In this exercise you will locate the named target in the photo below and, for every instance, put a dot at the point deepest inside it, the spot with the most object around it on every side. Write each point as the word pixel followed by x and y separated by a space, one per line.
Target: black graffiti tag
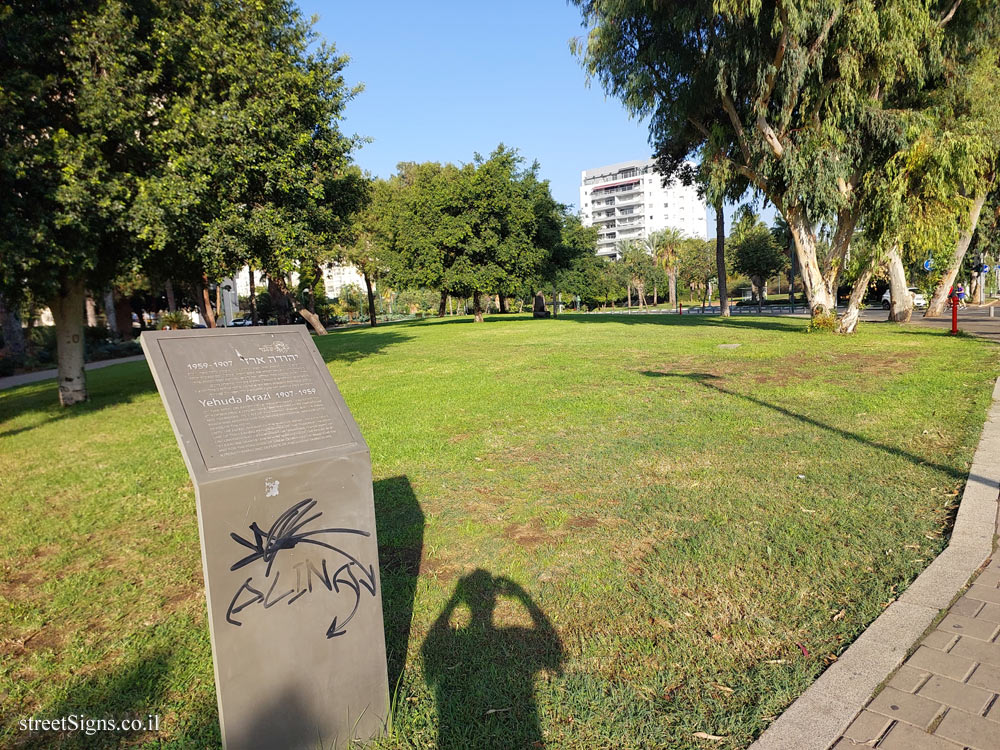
pixel 289 530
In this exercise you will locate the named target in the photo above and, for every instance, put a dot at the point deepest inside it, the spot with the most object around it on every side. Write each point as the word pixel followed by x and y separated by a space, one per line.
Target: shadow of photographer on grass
pixel 483 675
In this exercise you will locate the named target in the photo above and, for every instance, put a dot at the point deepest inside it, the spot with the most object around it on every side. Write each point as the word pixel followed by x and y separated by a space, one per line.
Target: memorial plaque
pixel 286 516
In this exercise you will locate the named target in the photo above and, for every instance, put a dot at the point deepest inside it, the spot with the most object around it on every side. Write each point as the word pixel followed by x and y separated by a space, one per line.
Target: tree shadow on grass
pixel 134 691
pixel 483 674
pixel 400 525
pixel 707 380
pixel 107 387
pixel 766 323
pixel 354 344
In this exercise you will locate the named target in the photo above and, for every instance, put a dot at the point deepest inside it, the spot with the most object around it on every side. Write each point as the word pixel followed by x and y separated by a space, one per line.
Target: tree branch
pixel 847 219
pixel 954 6
pixel 815 47
pixel 700 127
pixel 755 178
pixel 770 136
pixel 727 104
pixel 779 56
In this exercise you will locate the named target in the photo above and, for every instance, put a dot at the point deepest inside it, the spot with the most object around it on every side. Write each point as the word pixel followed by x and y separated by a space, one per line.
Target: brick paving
pixel 946 696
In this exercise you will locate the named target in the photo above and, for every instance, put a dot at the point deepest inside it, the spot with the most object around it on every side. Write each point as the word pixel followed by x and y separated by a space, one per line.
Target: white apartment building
pixel 627 201
pixel 335 278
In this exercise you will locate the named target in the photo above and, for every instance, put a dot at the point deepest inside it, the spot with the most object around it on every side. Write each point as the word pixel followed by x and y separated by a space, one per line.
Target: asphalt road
pixel 974 320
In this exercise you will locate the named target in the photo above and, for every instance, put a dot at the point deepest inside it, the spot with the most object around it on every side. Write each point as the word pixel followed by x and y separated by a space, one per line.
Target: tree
pixel 638 266
pixel 666 244
pixel 502 222
pixel 76 97
pixel 587 277
pixel 553 247
pixel 566 264
pixel 429 224
pixel 253 167
pixel 697 265
pixel 720 257
pixel 756 254
pixel 803 102
pixel 368 240
pixel 184 138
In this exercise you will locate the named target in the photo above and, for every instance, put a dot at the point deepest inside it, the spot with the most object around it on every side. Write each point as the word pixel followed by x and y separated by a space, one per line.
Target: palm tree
pixel 665 245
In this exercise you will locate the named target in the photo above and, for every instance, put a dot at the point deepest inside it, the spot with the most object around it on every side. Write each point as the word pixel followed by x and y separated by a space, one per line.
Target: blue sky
pixel 446 79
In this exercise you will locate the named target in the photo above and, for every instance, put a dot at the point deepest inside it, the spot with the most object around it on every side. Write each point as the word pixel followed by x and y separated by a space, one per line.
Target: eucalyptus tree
pixel 926 201
pixel 800 99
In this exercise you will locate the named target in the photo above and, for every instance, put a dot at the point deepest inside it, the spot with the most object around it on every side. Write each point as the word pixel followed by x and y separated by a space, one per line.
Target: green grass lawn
pixel 596 531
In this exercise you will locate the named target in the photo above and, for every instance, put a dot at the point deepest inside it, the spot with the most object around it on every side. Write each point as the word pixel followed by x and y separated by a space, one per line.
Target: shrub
pixel 174 321
pixel 823 321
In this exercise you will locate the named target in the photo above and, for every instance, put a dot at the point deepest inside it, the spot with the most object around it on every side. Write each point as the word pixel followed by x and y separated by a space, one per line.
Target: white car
pixel 919 300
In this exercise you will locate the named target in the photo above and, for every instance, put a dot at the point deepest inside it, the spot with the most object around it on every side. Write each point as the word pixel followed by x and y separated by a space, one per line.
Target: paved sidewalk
pixel 947 694
pixel 13 381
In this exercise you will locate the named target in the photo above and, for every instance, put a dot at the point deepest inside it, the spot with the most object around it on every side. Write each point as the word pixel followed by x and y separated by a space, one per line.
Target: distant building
pixel 335 278
pixel 627 201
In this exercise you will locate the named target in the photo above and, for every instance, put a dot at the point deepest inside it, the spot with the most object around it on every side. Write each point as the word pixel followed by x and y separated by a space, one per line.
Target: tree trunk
pixel 277 290
pixel 444 298
pixel 477 306
pixel 13 333
pixel 939 301
pixel 848 322
pixel 67 311
pixel 555 307
pixel 792 262
pixel 502 303
pixel 654 295
pixel 901 303
pixel 317 278
pixel 720 259
pixel 450 313
pixel 123 314
pixel 91 308
pixel 286 302
pixel 371 301
pixel 206 302
pixel 820 284
pixel 171 299
pixel 672 287
pixel 253 297
pixel 109 313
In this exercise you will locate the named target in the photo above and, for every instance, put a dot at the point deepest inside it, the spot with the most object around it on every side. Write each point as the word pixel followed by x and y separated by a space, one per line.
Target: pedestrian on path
pixel 960 293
